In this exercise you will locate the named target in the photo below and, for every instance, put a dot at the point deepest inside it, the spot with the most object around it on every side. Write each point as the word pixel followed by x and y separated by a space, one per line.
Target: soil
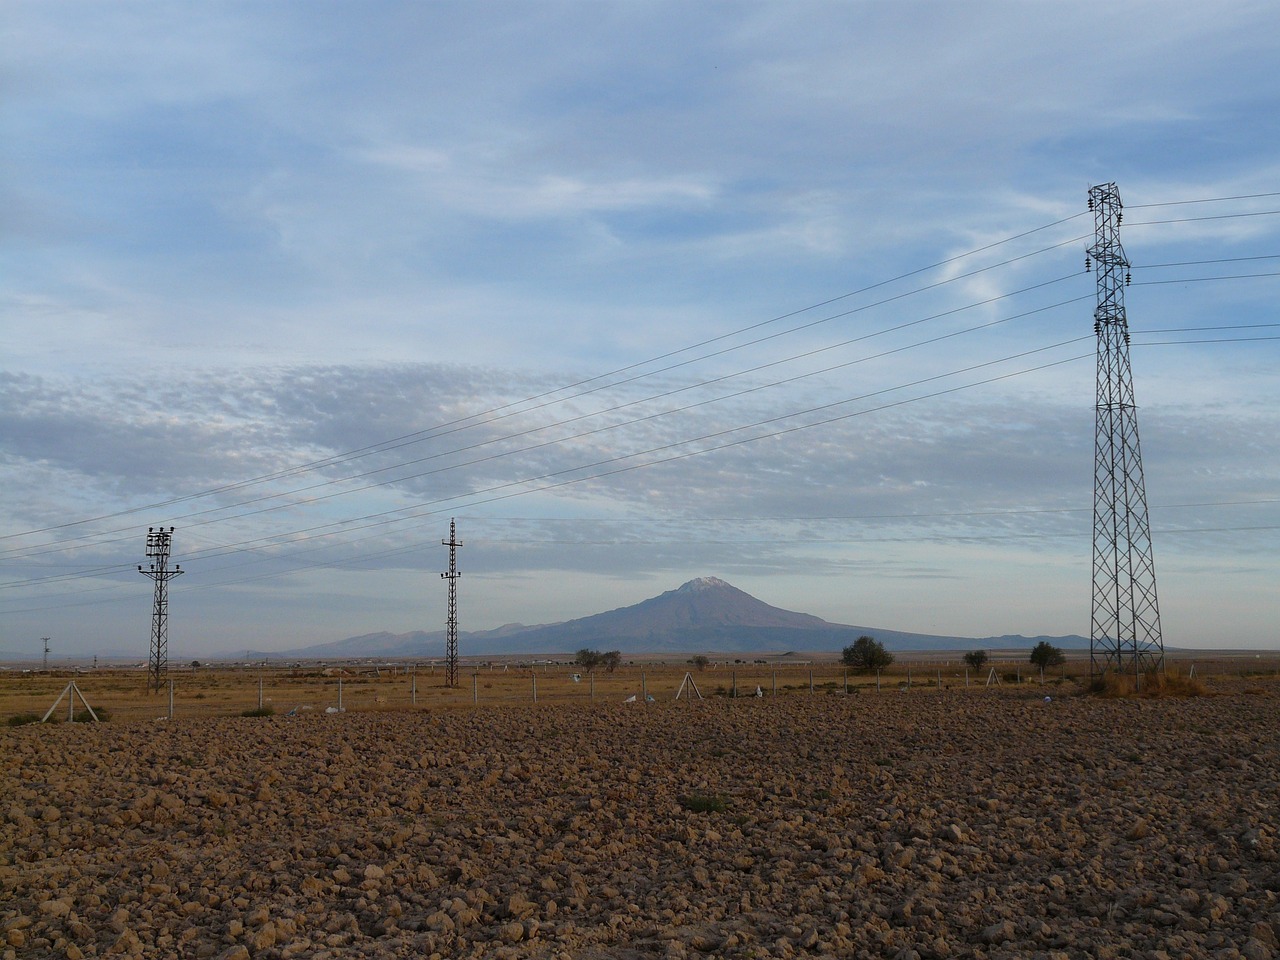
pixel 957 823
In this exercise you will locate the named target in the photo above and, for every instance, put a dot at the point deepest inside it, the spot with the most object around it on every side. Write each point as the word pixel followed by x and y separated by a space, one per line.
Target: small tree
pixel 700 661
pixel 611 660
pixel 588 659
pixel 976 659
pixel 1046 655
pixel 866 654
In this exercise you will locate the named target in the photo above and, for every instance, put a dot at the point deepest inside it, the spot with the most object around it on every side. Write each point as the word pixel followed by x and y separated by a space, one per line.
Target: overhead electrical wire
pixel 382 446
pixel 97 537
pixel 412 437
pixel 553 478
pixel 278 538
pixel 428 433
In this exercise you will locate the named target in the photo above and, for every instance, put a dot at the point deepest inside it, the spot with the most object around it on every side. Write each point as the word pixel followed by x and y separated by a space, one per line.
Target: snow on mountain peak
pixel 699 584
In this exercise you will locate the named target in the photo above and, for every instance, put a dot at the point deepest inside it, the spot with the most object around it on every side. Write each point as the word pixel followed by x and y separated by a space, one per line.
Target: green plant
pixel 866 654
pixel 259 712
pixel 22 719
pixel 976 659
pixel 1046 655
pixel 704 803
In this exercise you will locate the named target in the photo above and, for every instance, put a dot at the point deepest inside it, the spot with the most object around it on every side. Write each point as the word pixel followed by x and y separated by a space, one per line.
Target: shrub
pixel 976 659
pixel 259 712
pixel 22 719
pixel 704 803
pixel 866 654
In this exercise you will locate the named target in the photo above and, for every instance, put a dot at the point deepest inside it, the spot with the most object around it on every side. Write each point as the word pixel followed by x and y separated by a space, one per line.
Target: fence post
pixel 877 681
pixel 908 678
pixel 592 677
pixel 811 681
pixel 846 681
pixel 535 688
pixel 339 694
pixel 775 683
pixel 413 689
pixel 170 699
pixel 733 676
pixel 259 691
pixel 644 688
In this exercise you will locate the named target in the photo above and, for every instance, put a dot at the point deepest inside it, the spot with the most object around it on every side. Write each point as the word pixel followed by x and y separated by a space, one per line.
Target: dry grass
pixel 1149 685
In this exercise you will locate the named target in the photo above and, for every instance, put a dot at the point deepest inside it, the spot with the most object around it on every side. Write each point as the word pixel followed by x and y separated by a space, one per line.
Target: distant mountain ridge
pixel 704 614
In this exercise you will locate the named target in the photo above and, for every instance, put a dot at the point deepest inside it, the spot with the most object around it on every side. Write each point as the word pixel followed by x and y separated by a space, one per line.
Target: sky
pixel 791 295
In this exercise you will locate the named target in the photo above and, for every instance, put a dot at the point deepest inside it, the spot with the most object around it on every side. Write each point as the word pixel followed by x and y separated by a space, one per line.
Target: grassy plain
pixel 227 690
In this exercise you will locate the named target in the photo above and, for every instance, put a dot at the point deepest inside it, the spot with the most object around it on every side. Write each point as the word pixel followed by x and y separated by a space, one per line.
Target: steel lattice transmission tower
pixel 1125 635
pixel 159 541
pixel 451 625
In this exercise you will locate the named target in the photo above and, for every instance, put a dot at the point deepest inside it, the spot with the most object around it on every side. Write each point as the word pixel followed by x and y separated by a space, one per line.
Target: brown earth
pixel 957 823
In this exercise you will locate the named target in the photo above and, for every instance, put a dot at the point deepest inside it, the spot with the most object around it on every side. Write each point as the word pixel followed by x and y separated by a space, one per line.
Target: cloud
pixel 250 238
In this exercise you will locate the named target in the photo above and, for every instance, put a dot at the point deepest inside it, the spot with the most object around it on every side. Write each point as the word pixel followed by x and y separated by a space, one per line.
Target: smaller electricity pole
pixel 451 625
pixel 159 541
pixel 46 653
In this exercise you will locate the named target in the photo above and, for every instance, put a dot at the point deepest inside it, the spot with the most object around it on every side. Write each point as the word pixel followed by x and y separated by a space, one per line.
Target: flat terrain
pixel 952 823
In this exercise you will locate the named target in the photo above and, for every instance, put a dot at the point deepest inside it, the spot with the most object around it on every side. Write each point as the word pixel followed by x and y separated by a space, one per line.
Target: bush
pixel 976 659
pixel 22 719
pixel 260 712
pixel 704 803
pixel 866 654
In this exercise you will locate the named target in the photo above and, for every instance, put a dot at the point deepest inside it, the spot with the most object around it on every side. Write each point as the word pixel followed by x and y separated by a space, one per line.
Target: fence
pixel 284 690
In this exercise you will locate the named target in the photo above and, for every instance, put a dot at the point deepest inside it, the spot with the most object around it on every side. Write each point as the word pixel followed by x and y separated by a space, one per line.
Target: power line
pixel 520 434
pixel 1177 203
pixel 1219 216
pixel 222 551
pixel 395 442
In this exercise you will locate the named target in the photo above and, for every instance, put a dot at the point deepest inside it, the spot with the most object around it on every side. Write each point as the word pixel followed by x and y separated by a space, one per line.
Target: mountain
pixel 706 614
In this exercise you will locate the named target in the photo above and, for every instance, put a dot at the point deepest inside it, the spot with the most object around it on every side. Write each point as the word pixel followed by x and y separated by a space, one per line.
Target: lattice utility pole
pixel 1126 617
pixel 159 541
pixel 451 626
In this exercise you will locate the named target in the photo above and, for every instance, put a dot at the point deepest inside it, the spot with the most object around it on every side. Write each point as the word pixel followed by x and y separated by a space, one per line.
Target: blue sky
pixel 243 241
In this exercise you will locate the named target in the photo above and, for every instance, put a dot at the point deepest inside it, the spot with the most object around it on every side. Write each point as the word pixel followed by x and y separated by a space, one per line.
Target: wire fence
pixel 275 689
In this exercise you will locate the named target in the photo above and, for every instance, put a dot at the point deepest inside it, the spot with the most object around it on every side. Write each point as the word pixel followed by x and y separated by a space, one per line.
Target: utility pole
pixel 451 625
pixel 159 541
pixel 46 654
pixel 1125 634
